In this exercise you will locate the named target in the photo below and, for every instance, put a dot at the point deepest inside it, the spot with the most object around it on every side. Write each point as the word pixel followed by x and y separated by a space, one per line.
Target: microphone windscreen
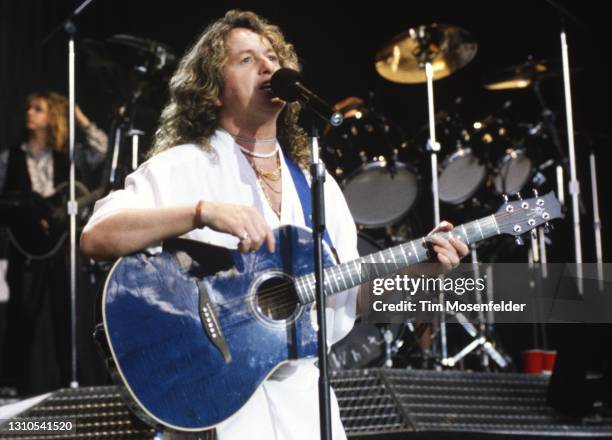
pixel 282 84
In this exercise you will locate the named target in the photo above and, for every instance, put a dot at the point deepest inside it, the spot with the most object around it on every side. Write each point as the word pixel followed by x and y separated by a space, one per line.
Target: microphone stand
pixel 574 184
pixel 317 173
pixel 70 28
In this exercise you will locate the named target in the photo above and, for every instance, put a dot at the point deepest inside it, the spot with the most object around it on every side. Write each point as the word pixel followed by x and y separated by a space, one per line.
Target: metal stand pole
pixel 574 185
pixel 317 172
pixel 596 223
pixel 433 146
pixel 73 209
pixel 69 27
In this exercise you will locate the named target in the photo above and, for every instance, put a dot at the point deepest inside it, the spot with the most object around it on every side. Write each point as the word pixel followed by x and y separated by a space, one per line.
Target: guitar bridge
pixel 210 323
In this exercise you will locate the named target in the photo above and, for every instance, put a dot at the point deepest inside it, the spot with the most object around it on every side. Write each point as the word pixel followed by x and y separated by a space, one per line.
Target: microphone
pixel 286 84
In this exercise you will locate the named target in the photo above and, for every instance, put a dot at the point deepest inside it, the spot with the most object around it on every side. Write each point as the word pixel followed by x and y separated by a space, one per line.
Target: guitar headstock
pixel 522 215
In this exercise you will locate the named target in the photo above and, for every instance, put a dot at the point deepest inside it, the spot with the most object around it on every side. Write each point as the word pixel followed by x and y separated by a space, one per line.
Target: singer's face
pixel 250 63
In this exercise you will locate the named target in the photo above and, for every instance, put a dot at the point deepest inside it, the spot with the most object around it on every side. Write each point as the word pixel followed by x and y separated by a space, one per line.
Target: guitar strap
pixel 303 190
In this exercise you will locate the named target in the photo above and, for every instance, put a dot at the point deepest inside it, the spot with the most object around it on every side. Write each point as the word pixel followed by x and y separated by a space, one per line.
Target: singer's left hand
pixel 449 252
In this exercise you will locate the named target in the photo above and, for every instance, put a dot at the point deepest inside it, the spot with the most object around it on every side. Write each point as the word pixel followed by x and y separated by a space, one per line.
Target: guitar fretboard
pixel 346 275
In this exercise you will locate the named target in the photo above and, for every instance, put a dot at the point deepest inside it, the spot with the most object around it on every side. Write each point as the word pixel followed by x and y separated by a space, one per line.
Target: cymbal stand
pixel 426 56
pixel 480 332
pixel 124 127
pixel 574 184
pixel 135 135
pixel 596 222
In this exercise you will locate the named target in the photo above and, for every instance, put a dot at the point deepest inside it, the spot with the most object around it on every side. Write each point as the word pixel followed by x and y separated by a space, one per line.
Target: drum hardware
pixel 368 155
pixel 531 73
pixel 133 69
pixel 424 54
pixel 596 222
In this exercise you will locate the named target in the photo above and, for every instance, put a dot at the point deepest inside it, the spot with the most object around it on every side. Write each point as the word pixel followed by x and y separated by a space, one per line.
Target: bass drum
pixel 368 156
pixel 364 346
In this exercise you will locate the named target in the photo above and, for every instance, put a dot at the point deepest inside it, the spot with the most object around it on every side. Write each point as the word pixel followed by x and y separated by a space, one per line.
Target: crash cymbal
pixel 519 76
pixel 447 48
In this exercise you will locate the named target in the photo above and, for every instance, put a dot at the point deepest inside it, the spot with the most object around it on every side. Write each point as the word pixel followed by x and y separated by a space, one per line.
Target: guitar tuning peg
pixel 534 234
pixel 518 196
pixel 535 193
pixel 548 227
pixel 519 241
pixel 505 196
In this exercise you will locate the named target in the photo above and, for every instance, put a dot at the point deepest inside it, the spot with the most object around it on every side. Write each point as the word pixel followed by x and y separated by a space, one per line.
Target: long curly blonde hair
pixel 57 112
pixel 191 116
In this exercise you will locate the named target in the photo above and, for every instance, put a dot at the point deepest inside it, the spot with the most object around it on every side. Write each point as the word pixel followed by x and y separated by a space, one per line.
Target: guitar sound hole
pixel 276 299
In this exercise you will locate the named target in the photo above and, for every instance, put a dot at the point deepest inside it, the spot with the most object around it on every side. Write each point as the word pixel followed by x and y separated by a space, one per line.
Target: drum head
pixel 377 197
pixel 513 173
pixel 461 175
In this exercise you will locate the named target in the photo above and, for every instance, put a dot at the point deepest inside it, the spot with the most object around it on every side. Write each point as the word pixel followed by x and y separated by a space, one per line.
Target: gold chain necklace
pixel 273 175
pixel 263 176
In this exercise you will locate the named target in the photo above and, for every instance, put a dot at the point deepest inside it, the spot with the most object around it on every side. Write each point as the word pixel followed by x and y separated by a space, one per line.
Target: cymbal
pixel 447 48
pixel 519 76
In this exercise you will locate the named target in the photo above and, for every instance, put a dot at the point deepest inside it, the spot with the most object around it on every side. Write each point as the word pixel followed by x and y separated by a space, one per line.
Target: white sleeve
pixel 141 191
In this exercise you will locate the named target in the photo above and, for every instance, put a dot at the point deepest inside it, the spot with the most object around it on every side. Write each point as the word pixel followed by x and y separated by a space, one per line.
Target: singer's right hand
pixel 244 222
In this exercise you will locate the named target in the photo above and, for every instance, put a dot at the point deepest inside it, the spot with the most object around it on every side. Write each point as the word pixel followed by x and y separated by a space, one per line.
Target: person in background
pixel 36 355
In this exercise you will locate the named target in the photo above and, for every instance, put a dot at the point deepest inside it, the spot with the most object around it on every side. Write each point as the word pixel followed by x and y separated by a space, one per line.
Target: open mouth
pixel 266 86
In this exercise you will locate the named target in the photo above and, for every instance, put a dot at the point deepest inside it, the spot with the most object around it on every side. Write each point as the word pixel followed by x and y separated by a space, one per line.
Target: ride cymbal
pixel 447 48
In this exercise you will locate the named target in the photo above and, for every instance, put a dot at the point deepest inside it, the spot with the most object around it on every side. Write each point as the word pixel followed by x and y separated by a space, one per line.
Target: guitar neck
pixel 346 275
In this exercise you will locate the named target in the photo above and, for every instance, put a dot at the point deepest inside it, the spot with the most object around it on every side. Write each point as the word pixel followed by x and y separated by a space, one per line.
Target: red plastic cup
pixel 548 361
pixel 533 361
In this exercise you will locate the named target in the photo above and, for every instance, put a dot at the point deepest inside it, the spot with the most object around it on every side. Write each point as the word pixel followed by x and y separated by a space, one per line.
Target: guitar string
pixel 382 262
pixel 279 292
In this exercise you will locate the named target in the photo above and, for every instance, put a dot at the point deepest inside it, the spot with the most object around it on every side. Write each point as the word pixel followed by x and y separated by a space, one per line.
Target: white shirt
pixel 286 406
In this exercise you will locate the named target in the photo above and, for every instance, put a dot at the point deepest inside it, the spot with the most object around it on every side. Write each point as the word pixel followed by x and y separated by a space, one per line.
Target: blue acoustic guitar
pixel 194 330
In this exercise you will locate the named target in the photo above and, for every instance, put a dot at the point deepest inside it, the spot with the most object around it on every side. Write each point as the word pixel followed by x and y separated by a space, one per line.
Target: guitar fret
pixel 465 234
pixel 357 270
pixel 404 254
pixel 343 278
pixel 350 272
pixel 480 228
pixel 415 251
pixel 335 279
pixel 496 225
pixel 393 257
pixel 374 264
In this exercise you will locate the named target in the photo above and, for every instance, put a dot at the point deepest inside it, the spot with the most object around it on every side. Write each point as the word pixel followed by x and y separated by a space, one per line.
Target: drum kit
pixel 385 177
pixel 383 172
